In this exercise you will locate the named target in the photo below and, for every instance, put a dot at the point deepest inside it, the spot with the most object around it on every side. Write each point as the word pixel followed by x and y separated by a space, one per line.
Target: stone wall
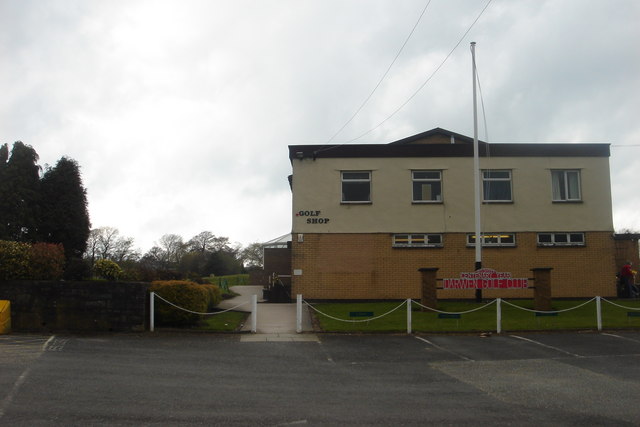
pixel 48 306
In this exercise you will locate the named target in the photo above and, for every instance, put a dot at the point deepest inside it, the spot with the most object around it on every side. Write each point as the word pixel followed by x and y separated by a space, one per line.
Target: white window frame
pixel 488 180
pixel 354 180
pixel 415 180
pixel 417 240
pixel 555 239
pixel 490 240
pixel 558 188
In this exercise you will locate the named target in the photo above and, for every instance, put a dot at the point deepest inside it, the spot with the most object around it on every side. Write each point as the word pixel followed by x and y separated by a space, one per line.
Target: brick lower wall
pixel 366 266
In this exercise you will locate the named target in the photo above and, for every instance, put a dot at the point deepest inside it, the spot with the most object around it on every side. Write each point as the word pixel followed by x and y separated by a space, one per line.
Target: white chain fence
pixel 153 296
pixel 409 305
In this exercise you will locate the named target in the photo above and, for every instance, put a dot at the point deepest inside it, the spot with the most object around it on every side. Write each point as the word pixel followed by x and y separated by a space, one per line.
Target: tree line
pixel 172 257
pixel 50 206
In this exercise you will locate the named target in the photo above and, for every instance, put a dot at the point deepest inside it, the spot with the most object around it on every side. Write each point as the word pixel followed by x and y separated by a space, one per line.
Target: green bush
pixel 14 260
pixel 107 269
pixel 214 294
pixel 184 294
pixel 46 261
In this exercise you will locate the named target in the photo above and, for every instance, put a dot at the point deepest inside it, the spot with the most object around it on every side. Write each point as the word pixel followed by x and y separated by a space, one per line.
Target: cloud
pixel 180 112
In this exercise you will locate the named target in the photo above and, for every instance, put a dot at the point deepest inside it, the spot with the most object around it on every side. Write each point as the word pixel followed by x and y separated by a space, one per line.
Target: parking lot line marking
pixel 445 350
pixel 14 390
pixel 51 338
pixel 620 336
pixel 546 346
pixel 4 404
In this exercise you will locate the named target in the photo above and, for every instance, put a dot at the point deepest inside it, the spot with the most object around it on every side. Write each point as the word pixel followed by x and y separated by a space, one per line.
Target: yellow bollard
pixel 5 317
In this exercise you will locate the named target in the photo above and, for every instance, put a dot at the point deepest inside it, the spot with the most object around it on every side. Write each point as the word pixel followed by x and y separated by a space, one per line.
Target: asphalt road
pixel 194 379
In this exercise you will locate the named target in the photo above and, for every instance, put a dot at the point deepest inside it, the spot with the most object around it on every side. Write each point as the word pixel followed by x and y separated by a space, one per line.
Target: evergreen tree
pixel 65 217
pixel 19 193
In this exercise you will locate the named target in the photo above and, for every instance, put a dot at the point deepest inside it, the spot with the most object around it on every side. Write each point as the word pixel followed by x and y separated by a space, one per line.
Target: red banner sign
pixel 485 278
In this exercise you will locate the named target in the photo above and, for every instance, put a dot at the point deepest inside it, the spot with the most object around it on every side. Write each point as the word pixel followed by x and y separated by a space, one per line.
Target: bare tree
pixel 202 242
pixel 106 243
pixel 123 250
pixel 173 248
pixel 107 239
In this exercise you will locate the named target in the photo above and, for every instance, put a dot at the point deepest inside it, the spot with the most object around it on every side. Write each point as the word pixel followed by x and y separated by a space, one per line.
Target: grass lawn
pixel 229 321
pixel 484 319
pixel 230 280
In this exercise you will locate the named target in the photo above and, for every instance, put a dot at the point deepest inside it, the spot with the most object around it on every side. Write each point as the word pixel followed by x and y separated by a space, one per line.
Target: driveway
pixel 274 321
pixel 202 379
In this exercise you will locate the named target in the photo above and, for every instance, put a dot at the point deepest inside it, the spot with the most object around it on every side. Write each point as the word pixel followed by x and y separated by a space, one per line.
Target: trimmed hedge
pixel 46 261
pixel 23 261
pixel 188 295
pixel 215 296
pixel 14 260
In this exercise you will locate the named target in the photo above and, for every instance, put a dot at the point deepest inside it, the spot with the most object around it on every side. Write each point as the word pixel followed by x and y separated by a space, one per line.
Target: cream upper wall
pixel 317 187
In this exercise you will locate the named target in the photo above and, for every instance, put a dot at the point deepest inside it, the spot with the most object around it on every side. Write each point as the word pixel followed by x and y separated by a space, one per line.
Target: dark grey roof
pixel 419 146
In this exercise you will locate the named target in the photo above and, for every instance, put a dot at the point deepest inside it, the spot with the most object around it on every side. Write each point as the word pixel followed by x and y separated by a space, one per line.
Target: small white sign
pixel 297 272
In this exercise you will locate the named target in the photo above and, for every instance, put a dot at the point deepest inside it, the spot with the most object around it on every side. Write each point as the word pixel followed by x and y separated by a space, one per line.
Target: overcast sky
pixel 179 112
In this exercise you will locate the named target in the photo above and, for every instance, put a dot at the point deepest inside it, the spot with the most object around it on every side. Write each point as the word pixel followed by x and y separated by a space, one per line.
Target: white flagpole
pixel 476 172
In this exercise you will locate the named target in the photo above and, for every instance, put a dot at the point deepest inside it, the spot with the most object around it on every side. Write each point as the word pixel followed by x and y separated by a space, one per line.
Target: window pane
pixel 491 240
pixel 426 175
pixel 417 239
pixel 427 191
pixel 401 239
pixel 561 238
pixel 507 239
pixel 544 238
pixel 573 179
pixel 497 174
pixel 565 185
pixel 497 190
pixel 355 175
pixel 434 239
pixel 576 238
pixel 356 191
pixel 557 178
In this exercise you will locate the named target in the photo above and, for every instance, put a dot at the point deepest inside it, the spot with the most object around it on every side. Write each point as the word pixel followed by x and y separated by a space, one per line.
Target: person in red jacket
pixel 626 277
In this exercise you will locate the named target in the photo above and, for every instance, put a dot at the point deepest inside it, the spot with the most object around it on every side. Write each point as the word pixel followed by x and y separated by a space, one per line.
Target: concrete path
pixel 276 320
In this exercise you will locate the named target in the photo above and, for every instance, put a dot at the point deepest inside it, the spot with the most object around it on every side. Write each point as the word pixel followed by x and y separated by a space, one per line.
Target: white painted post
pixel 499 315
pixel 151 313
pixel 599 313
pixel 298 313
pixel 409 315
pixel 254 313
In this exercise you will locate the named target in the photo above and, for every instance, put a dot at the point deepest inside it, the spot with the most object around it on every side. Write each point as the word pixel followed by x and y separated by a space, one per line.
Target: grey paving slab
pixel 279 338
pixel 272 318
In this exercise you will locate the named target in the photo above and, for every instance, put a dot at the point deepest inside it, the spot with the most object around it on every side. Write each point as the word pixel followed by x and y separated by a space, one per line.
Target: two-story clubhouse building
pixel 367 217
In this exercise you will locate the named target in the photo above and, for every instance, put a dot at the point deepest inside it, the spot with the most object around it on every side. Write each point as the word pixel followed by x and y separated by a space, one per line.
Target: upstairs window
pixel 356 187
pixel 496 185
pixel 566 185
pixel 427 186
pixel 493 239
pixel 417 240
pixel 560 239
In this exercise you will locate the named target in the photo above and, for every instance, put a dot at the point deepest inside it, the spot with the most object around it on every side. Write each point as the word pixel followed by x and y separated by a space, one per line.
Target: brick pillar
pixel 429 297
pixel 542 290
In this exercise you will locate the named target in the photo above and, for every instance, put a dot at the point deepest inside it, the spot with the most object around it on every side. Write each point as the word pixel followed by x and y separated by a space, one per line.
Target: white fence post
pixel 409 315
pixel 298 313
pixel 151 311
pixel 499 315
pixel 254 313
pixel 599 313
